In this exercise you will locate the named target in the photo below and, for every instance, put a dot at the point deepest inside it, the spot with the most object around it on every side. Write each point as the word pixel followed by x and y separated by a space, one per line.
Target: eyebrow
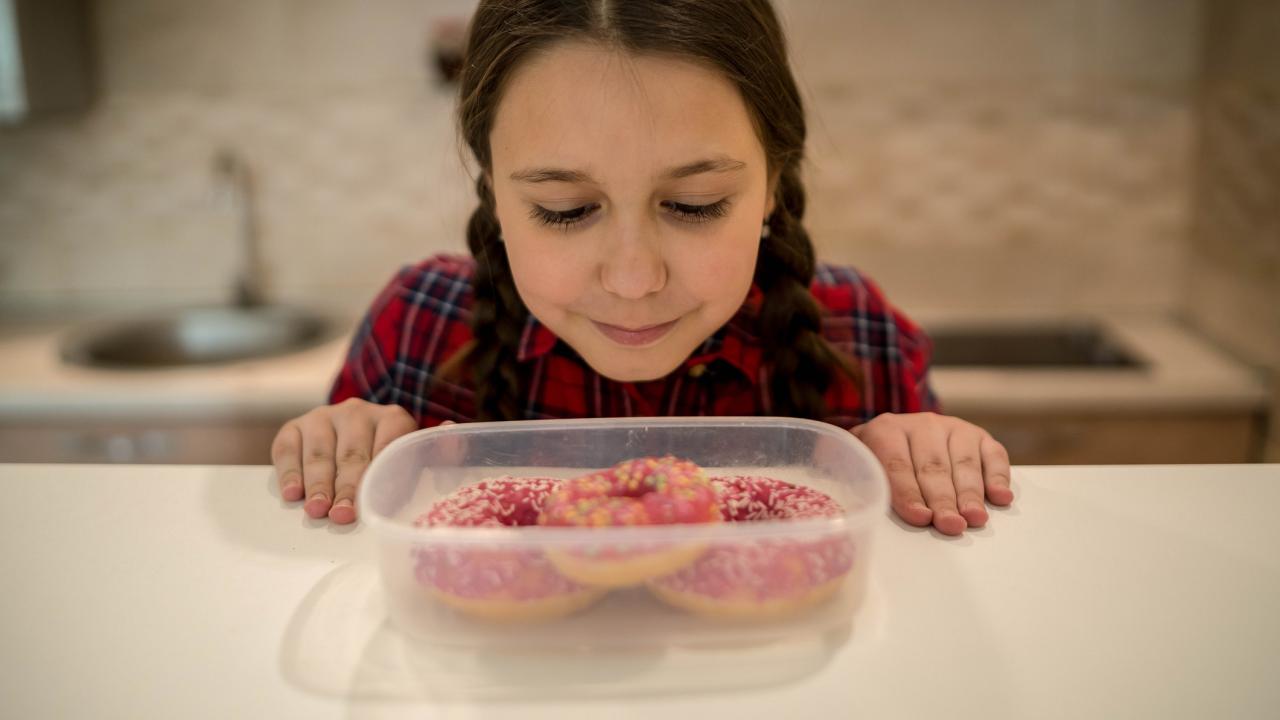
pixel 719 164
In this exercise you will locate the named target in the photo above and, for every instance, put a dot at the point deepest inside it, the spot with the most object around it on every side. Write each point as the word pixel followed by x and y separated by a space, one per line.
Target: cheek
pixel 721 269
pixel 546 272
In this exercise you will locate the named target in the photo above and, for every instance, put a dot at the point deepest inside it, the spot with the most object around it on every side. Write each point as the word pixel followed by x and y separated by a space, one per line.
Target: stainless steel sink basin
pixel 1054 346
pixel 197 337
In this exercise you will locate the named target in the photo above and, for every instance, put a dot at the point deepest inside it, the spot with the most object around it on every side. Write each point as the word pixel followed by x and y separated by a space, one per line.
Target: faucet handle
pixel 250 279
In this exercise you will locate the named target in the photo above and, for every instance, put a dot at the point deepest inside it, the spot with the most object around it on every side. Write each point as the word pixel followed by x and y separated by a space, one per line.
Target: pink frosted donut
pixel 495 583
pixel 643 491
pixel 764 578
pixel 752 499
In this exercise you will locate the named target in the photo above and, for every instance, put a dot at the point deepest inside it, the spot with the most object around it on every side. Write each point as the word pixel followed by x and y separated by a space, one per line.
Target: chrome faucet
pixel 250 280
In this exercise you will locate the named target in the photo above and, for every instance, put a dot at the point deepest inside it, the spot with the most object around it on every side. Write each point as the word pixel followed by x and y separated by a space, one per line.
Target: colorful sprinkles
pixel 643 491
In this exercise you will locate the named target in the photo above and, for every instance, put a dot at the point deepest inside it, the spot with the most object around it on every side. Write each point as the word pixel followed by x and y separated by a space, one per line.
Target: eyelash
pixel 689 213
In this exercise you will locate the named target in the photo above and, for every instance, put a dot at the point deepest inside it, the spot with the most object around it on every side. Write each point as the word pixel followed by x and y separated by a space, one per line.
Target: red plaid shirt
pixel 421 319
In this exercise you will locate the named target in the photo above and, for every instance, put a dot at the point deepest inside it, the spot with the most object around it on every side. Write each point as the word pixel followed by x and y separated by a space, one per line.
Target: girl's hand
pixel 940 468
pixel 323 454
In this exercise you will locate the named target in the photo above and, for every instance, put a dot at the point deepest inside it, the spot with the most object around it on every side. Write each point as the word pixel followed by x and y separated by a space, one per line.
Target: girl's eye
pixel 562 218
pixel 688 213
pixel 700 213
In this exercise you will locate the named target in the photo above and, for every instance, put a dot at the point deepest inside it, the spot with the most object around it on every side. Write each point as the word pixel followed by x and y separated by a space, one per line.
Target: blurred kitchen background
pixel 1079 198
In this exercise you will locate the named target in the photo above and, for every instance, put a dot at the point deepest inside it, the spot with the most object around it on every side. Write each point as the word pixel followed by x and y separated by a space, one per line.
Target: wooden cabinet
pixel 1126 437
pixel 1032 439
pixel 140 441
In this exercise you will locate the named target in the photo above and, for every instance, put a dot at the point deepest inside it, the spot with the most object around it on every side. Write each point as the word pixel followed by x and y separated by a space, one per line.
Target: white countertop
pixel 1185 373
pixel 191 592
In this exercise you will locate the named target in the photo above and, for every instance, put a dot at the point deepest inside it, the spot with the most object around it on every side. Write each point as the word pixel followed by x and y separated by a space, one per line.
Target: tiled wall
pixel 978 154
pixel 1234 288
pixel 330 101
pixel 1003 153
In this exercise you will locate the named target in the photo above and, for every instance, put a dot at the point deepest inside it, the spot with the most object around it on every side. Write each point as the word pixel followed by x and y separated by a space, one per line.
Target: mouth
pixel 634 337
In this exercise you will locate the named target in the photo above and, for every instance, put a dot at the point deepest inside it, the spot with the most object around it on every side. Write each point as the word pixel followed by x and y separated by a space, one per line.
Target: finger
pixel 451 451
pixel 286 456
pixel 995 471
pixel 318 444
pixel 360 440
pixel 893 452
pixel 929 454
pixel 396 422
pixel 965 446
pixel 353 452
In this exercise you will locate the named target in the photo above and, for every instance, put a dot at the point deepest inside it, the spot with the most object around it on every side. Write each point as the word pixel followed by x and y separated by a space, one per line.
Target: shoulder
pixel 439 286
pixel 856 312
pixel 893 351
pixel 424 311
pixel 841 289
pixel 418 320
pixel 439 278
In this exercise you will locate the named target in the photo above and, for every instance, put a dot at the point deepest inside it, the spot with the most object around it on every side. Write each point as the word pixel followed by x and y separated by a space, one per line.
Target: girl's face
pixel 631 192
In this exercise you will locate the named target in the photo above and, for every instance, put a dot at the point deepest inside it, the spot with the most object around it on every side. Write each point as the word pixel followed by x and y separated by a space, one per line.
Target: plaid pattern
pixel 421 318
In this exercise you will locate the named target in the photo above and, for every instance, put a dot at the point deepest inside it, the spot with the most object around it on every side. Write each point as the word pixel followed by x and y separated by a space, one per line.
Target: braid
pixel 498 316
pixel 802 364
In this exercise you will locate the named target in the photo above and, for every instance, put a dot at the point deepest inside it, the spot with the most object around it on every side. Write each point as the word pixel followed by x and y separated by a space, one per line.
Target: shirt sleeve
pixel 366 372
pixel 916 351
pixel 890 350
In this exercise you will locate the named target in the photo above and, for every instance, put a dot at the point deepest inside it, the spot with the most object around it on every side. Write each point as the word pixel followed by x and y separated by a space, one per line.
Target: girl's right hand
pixel 323 454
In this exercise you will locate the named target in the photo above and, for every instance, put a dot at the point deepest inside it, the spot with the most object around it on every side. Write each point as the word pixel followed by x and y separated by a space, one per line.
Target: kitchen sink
pixel 1033 346
pixel 200 336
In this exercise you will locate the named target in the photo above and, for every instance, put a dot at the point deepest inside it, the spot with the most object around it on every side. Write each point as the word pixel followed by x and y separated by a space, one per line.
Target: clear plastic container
pixel 418 469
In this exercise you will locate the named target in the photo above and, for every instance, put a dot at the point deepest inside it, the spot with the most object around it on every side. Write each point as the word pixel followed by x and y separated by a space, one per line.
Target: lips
pixel 634 336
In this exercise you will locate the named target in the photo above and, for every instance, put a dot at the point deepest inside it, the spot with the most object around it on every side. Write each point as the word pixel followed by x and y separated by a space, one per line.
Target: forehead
pixel 584 106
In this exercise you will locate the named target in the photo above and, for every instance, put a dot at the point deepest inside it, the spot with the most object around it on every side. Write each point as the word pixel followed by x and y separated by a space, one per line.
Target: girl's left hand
pixel 940 468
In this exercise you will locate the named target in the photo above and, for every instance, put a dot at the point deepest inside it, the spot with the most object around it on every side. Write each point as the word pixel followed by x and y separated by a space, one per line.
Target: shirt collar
pixel 735 343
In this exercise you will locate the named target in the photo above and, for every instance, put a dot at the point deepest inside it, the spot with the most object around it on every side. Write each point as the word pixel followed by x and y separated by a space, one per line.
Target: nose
pixel 632 266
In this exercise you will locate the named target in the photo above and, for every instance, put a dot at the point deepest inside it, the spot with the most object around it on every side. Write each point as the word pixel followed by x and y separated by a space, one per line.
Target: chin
pixel 639 376
pixel 639 372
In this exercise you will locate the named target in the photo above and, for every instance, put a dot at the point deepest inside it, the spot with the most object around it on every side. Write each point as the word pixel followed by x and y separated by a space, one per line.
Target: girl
pixel 638 250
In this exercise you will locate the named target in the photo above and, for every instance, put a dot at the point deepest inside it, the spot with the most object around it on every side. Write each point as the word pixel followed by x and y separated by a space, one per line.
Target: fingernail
pixel 292 491
pixel 951 523
pixel 319 496
pixel 342 512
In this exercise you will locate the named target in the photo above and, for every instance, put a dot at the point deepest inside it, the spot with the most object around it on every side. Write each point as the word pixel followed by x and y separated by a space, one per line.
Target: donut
pixel 492 582
pixel 638 492
pixel 767 578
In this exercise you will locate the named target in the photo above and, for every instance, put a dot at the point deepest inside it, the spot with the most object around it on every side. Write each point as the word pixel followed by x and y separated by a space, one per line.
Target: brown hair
pixel 743 40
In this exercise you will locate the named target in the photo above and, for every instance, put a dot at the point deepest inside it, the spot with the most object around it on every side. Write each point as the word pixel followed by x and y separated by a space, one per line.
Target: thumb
pixel 453 450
